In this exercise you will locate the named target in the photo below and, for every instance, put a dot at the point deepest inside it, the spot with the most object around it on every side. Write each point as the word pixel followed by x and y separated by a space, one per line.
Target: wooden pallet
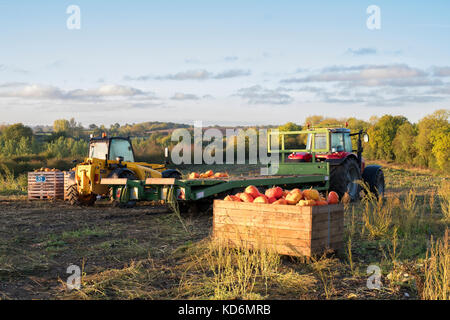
pixel 289 230
pixel 45 185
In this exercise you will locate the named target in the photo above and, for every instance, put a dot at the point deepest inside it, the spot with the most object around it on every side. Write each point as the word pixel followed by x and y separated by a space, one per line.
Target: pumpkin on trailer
pixel 209 173
pixel 194 175
pixel 253 191
pixel 333 198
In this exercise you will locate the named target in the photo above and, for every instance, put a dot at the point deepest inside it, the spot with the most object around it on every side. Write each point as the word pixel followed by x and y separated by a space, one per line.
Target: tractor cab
pixel 113 148
pixel 331 147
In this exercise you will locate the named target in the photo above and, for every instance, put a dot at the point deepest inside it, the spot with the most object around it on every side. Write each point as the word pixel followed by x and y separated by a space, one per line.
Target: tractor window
pixel 348 143
pixel 337 142
pixel 121 148
pixel 98 150
pixel 320 141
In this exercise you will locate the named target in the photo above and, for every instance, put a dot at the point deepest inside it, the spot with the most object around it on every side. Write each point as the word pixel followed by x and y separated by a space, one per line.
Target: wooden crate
pixel 45 185
pixel 289 230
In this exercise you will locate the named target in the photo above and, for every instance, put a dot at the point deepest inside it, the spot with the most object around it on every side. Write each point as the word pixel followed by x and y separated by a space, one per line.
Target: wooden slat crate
pixel 289 230
pixel 45 185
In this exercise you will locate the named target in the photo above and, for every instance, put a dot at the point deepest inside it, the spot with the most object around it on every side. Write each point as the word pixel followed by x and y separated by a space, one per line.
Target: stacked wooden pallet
pixel 45 185
pixel 289 230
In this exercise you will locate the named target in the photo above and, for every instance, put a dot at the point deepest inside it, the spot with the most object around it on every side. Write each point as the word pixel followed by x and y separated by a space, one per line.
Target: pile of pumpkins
pixel 47 170
pixel 207 175
pixel 278 196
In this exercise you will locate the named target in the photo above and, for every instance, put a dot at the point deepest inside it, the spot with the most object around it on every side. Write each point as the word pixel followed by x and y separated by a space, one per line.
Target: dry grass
pixel 436 284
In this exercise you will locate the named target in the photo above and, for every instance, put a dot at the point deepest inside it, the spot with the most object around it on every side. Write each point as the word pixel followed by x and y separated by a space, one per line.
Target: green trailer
pixel 289 175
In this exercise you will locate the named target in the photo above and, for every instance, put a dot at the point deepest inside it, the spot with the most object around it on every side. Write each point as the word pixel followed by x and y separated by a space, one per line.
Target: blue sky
pixel 222 62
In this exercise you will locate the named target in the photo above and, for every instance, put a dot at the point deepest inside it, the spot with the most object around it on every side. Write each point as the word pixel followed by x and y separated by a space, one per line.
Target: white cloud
pixel 184 96
pixel 198 74
pixel 259 95
pixel 38 91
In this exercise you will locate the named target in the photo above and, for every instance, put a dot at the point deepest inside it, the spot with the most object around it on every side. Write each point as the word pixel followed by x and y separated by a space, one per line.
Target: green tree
pixel 16 132
pixel 61 126
pixel 382 134
pixel 431 128
pixel 405 150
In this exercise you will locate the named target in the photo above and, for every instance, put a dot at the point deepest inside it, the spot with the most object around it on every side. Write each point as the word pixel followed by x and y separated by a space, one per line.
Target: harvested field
pixel 150 253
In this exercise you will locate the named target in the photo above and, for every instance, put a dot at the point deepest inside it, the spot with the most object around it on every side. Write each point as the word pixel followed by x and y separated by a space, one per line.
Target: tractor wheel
pixel 130 203
pixel 344 178
pixel 76 199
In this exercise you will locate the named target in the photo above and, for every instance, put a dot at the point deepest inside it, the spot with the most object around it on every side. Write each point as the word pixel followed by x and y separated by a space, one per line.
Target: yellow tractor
pixel 109 157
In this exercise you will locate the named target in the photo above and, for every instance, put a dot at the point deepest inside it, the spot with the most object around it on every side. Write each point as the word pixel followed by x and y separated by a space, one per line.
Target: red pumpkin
pixel 272 200
pixel 333 198
pixel 275 192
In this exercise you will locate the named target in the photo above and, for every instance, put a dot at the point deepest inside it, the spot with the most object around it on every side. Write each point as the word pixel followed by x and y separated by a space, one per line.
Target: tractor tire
pixel 343 179
pixel 75 199
pixel 131 203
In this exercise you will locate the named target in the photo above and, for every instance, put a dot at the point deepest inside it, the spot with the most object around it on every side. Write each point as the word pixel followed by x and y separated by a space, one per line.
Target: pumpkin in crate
pixel 311 194
pixel 333 198
pixel 306 203
pixel 293 198
pixel 275 192
pixel 253 191
pixel 232 198
pixel 261 199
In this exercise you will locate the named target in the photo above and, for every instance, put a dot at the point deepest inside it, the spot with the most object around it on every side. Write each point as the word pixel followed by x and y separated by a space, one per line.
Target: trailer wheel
pixel 344 178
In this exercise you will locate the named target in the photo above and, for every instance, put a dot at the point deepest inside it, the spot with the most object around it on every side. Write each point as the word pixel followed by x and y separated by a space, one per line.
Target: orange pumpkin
pixel 232 198
pixel 246 197
pixel 280 202
pixel 209 173
pixel 261 199
pixel 194 175
pixel 293 198
pixel 333 198
pixel 321 203
pixel 306 203
pixel 311 194
pixel 253 191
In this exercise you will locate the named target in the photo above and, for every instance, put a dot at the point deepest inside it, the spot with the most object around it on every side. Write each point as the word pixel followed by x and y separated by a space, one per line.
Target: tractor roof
pixel 334 130
pixel 106 139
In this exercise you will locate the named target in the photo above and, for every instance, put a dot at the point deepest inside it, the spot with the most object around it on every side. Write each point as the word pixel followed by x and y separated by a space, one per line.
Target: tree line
pixel 392 138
